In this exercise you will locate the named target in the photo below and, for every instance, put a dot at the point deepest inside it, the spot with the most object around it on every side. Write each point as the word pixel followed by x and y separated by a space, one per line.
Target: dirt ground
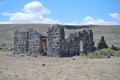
pixel 19 67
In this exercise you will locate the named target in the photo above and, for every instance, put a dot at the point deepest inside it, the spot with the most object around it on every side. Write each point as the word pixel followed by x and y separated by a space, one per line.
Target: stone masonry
pixel 54 44
pixel 29 41
pixel 77 42
pixel 20 42
pixel 102 43
pixel 55 40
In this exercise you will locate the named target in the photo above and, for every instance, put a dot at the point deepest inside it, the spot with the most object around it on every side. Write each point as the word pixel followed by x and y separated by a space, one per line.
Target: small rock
pixel 108 56
pixel 28 58
pixel 43 64
pixel 0 71
pixel 73 59
pixel 13 53
pixel 22 55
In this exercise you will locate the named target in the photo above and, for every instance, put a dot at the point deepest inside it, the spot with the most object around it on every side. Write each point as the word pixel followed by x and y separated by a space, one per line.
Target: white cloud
pixel 32 13
pixel 6 14
pixel 115 16
pixel 35 7
pixel 6 22
pixel 90 20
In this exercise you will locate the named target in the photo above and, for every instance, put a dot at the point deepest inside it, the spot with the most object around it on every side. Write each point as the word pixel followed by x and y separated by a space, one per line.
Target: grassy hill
pixel 111 32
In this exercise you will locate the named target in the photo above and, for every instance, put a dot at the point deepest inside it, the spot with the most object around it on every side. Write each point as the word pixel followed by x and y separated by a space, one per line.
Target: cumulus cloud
pixel 115 16
pixel 32 12
pixel 90 20
pixel 35 7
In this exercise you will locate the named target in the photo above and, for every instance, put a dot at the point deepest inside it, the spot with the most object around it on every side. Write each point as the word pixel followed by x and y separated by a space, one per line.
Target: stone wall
pixel 59 46
pixel 71 45
pixel 54 44
pixel 77 42
pixel 55 40
pixel 20 41
pixel 43 45
pixel 102 43
pixel 33 41
pixel 87 37
pixel 29 41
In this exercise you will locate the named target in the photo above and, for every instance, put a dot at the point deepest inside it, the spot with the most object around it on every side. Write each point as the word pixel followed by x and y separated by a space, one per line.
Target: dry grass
pixel 74 68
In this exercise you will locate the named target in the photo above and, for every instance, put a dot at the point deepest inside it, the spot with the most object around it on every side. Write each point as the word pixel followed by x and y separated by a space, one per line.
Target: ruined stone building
pixel 20 42
pixel 78 42
pixel 55 40
pixel 102 43
pixel 54 44
pixel 29 41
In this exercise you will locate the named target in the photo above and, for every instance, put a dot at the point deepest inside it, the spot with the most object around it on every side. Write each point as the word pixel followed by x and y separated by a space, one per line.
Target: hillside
pixel 111 33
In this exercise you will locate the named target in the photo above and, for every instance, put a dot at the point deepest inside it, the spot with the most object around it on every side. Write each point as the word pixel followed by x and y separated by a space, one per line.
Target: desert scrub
pixel 103 53
pixel 117 53
pixel 95 55
pixel 5 49
pixel 34 54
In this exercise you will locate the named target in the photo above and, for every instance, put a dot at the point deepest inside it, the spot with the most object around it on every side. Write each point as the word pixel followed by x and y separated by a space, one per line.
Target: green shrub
pixel 5 49
pixel 103 53
pixel 107 52
pixel 117 53
pixel 82 55
pixel 34 54
pixel 95 55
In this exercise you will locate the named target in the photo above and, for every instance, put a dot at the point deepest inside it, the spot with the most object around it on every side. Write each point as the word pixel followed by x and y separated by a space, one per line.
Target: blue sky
pixel 60 11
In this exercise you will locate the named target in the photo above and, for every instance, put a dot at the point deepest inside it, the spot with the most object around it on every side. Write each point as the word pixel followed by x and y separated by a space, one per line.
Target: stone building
pixel 20 41
pixel 29 41
pixel 77 42
pixel 102 43
pixel 71 45
pixel 33 41
pixel 86 41
pixel 54 44
pixel 55 40
pixel 43 45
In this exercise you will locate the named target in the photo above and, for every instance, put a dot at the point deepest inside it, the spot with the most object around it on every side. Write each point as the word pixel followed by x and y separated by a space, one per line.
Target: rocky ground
pixel 20 67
